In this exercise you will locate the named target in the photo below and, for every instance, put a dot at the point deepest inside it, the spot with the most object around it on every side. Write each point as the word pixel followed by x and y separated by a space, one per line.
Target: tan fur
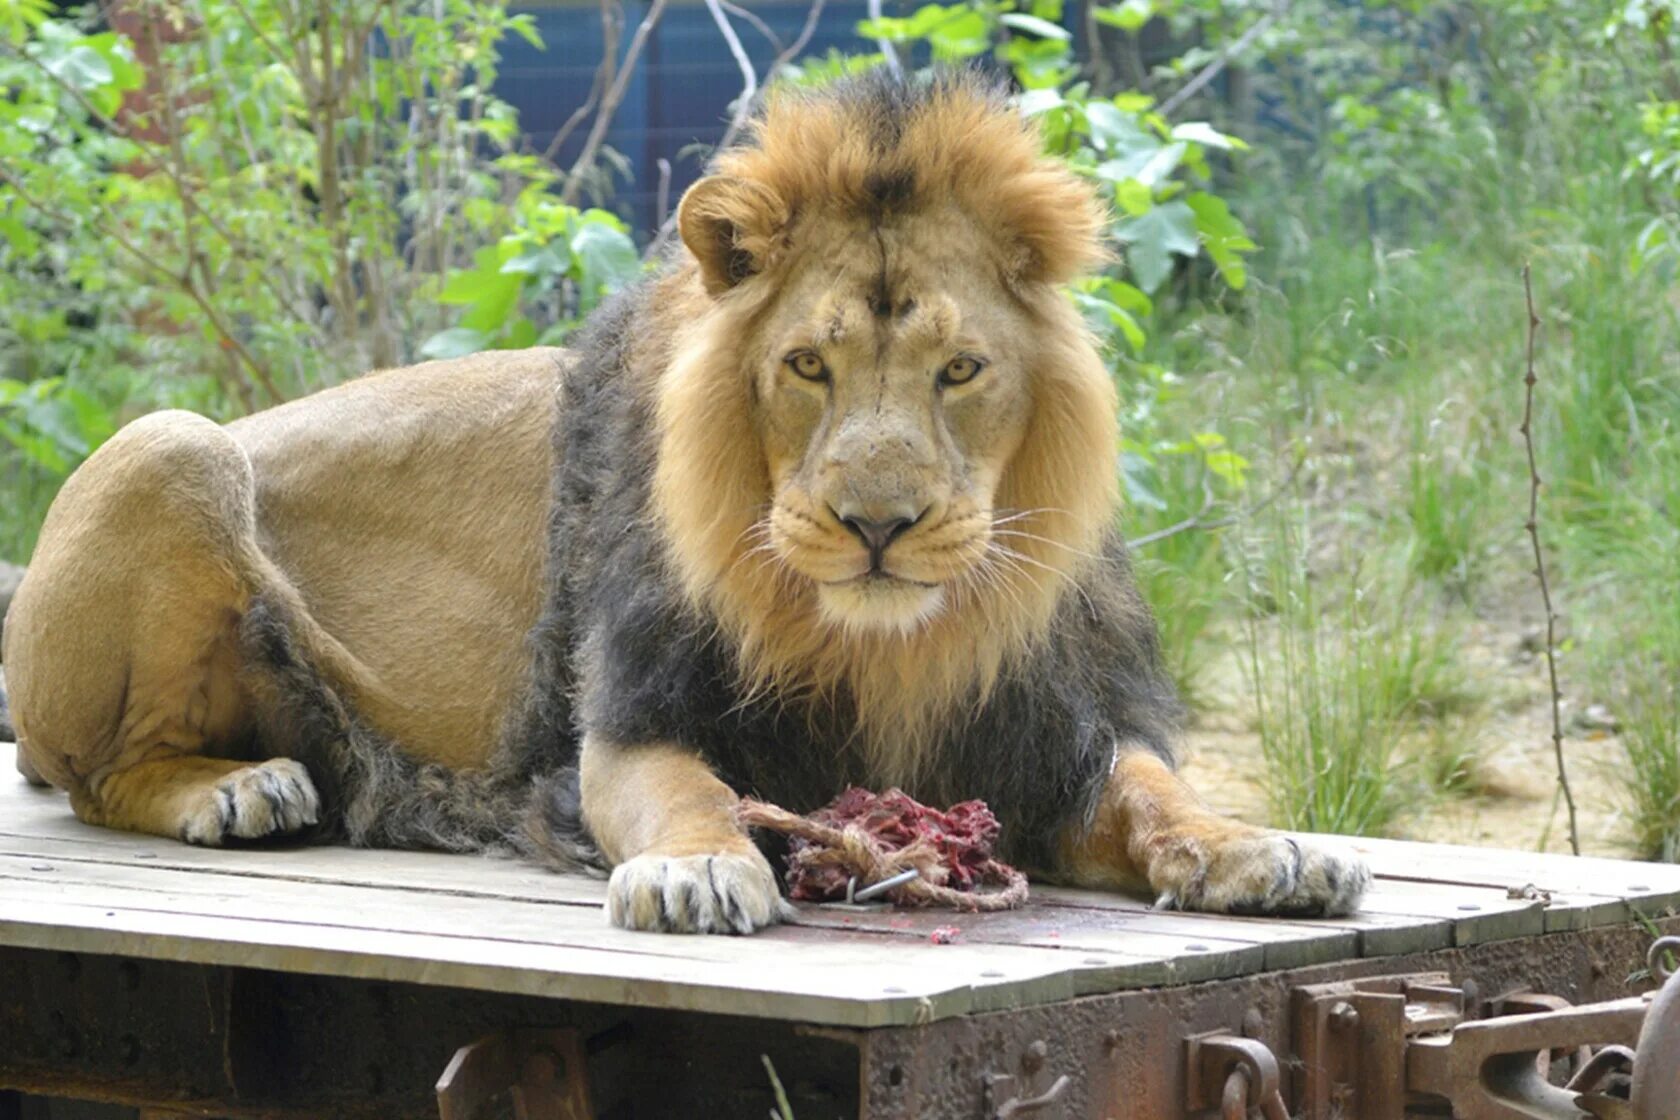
pixel 366 509
pixel 1152 832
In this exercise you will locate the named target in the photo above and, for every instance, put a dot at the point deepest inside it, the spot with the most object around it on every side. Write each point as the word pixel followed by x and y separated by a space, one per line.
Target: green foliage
pixel 302 196
pixel 1340 674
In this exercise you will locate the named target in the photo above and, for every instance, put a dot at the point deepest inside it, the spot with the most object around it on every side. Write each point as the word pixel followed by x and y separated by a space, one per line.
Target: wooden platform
pixel 498 926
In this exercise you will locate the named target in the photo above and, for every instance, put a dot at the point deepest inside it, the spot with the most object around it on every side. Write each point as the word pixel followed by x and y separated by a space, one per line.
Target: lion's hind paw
pixel 1274 875
pixel 723 893
pixel 271 799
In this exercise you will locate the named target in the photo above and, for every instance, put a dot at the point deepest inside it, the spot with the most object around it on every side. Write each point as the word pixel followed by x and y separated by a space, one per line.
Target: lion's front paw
pixel 724 893
pixel 1267 873
pixel 270 799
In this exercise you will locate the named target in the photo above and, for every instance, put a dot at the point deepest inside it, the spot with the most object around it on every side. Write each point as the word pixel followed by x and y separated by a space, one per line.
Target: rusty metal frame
pixel 254 1045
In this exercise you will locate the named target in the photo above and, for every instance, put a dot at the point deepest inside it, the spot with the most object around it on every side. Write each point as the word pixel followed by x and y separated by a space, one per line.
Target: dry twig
pixel 1213 69
pixel 1533 527
pixel 609 104
pixel 1200 521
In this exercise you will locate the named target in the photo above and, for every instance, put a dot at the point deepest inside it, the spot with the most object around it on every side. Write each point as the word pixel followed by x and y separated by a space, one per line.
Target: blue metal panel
pixel 678 97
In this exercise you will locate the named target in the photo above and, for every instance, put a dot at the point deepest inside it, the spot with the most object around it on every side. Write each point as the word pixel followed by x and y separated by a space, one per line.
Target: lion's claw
pixel 270 799
pixel 723 893
pixel 1268 873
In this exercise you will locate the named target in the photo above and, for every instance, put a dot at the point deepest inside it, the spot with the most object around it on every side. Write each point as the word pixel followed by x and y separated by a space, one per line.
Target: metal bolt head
pixel 1344 1016
pixel 1254 1023
pixel 1033 1059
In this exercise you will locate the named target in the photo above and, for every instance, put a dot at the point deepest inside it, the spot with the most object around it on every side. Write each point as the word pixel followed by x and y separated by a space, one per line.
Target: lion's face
pixel 891 395
pixel 886 444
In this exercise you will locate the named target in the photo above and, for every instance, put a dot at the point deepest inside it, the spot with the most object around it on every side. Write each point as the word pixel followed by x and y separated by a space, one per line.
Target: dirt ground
pixel 1511 790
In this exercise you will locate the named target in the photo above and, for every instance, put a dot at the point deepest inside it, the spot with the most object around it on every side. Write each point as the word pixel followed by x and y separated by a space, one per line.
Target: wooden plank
pixel 1177 960
pixel 39 822
pixel 809 975
pixel 1289 943
pixel 1583 892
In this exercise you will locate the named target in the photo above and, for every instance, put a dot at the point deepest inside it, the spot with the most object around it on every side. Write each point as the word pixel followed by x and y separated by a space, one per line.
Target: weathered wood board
pixel 497 925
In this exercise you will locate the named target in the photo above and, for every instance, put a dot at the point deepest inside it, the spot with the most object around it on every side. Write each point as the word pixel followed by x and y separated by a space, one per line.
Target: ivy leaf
pixel 1153 238
pixel 606 257
pixel 454 342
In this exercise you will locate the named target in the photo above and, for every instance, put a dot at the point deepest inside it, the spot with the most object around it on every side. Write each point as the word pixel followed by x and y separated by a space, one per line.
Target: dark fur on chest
pixel 619 655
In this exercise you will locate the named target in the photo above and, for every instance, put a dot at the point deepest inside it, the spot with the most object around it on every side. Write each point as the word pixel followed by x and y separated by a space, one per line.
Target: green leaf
pixel 1200 132
pixel 1116 131
pixel 1136 472
pixel 524 26
pixel 1223 235
pixel 454 342
pixel 963 36
pixel 1153 238
pixel 1149 166
pixel 1032 25
pixel 607 257
pixel 1133 196
pixel 1037 101
pixel 1128 16
pixel 546 260
pixel 81 68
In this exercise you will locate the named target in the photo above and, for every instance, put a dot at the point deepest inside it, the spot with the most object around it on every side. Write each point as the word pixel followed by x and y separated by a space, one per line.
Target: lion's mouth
pixel 879 577
pixel 879 600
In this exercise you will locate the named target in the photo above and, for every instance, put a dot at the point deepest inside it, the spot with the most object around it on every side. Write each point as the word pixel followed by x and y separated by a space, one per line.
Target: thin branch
pixel 611 24
pixel 1199 521
pixel 812 17
pixel 749 76
pixel 609 104
pixel 1533 527
pixel 663 195
pixel 758 25
pixel 183 281
pixel 1213 69
pixel 888 50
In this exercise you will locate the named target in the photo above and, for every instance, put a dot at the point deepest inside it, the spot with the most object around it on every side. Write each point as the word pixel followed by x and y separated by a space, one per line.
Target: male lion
pixel 831 499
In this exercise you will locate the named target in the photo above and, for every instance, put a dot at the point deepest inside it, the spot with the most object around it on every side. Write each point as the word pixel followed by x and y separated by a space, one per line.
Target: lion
pixel 830 498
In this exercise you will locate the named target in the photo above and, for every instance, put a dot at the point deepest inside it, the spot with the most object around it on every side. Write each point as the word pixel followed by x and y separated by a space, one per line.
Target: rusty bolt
pixel 1111 1040
pixel 1344 1016
pixel 1254 1023
pixel 1033 1059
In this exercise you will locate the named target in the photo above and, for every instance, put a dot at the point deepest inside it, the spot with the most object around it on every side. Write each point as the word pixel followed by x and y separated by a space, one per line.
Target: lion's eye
pixel 808 366
pixel 960 371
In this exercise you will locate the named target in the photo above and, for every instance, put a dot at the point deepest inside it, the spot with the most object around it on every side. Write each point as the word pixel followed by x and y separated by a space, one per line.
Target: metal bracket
pixel 1350 1041
pixel 1364 1046
pixel 543 1072
pixel 1233 1075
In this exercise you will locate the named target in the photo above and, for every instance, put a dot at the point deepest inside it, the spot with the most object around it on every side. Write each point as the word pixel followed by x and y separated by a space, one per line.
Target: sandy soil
pixel 1513 779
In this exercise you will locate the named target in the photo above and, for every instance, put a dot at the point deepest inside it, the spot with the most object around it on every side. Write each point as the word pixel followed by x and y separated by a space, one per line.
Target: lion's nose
pixel 876 533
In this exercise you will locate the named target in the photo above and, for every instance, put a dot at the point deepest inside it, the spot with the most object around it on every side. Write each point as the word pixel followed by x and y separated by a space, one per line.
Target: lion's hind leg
pixel 122 656
pixel 1152 830
pixel 205 800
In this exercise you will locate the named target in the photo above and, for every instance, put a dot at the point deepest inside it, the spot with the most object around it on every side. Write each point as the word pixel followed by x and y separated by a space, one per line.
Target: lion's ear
pixel 729 225
pixel 1055 221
